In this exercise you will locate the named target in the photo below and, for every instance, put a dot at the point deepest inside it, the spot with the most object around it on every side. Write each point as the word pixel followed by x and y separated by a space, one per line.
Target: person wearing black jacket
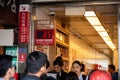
pixel 7 71
pixel 35 65
pixel 57 64
pixel 114 74
pixel 44 76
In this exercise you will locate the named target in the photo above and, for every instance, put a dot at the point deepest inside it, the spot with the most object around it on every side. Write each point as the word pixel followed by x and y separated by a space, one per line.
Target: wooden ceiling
pixel 107 14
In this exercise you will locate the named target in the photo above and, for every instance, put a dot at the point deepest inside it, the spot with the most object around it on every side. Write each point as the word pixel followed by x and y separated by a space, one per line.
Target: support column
pixel 24 33
pixel 119 39
pixel 115 59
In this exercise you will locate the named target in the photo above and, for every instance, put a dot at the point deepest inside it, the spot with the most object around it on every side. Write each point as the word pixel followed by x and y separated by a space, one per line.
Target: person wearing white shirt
pixel 76 67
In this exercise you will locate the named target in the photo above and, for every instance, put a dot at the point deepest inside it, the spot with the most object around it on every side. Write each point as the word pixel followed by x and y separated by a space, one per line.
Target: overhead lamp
pixel 99 28
pixel 93 20
pixel 96 24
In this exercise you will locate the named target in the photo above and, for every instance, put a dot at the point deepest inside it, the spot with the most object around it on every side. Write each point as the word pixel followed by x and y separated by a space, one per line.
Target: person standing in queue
pixel 7 71
pixel 83 71
pixel 35 65
pixel 44 76
pixel 77 68
pixel 111 69
pixel 57 69
pixel 71 76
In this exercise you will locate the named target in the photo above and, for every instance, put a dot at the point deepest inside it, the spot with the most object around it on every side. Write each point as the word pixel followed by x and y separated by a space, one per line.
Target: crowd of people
pixel 37 65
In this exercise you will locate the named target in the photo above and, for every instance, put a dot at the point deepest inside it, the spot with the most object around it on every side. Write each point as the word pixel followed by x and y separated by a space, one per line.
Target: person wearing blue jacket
pixel 57 69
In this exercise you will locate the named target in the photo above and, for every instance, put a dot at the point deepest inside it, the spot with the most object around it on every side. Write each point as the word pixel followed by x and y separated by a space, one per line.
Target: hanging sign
pixel 44 37
pixel 24 23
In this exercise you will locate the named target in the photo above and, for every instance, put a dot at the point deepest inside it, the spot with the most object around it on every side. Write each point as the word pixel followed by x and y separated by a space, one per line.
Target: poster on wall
pixel 24 23
pixel 44 37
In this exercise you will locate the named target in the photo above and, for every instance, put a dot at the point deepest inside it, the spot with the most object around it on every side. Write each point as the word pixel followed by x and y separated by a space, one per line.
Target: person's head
pixel 76 67
pixel 83 67
pixel 57 64
pixel 72 76
pixel 6 68
pixel 43 76
pixel 47 64
pixel 99 75
pixel 111 68
pixel 36 63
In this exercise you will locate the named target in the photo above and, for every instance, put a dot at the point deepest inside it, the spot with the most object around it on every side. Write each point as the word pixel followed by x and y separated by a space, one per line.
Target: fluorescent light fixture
pixel 94 21
pixel 103 33
pixel 106 38
pixel 99 28
pixel 90 13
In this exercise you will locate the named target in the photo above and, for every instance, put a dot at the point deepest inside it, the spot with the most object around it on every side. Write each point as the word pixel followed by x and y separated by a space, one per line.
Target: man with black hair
pixel 44 76
pixel 111 69
pixel 7 71
pixel 35 65
pixel 57 65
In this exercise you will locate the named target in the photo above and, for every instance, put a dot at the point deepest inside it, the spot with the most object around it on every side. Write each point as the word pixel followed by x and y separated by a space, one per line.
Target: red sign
pixel 22 57
pixel 24 23
pixel 44 37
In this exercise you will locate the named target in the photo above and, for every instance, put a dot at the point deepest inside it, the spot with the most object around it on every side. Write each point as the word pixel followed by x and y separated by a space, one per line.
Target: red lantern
pixel 100 75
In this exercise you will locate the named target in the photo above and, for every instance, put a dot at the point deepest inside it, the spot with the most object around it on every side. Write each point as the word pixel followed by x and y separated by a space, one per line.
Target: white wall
pixel 6 37
pixel 79 50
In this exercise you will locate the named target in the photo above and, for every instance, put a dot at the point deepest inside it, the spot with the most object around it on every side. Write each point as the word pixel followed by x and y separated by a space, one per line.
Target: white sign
pixel 74 11
pixel 24 8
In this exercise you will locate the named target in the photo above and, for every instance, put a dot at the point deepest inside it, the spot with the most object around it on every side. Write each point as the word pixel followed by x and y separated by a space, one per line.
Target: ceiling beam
pixel 75 2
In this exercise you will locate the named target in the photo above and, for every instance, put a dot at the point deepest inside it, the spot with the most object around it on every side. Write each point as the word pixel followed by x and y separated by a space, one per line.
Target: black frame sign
pixel 44 37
